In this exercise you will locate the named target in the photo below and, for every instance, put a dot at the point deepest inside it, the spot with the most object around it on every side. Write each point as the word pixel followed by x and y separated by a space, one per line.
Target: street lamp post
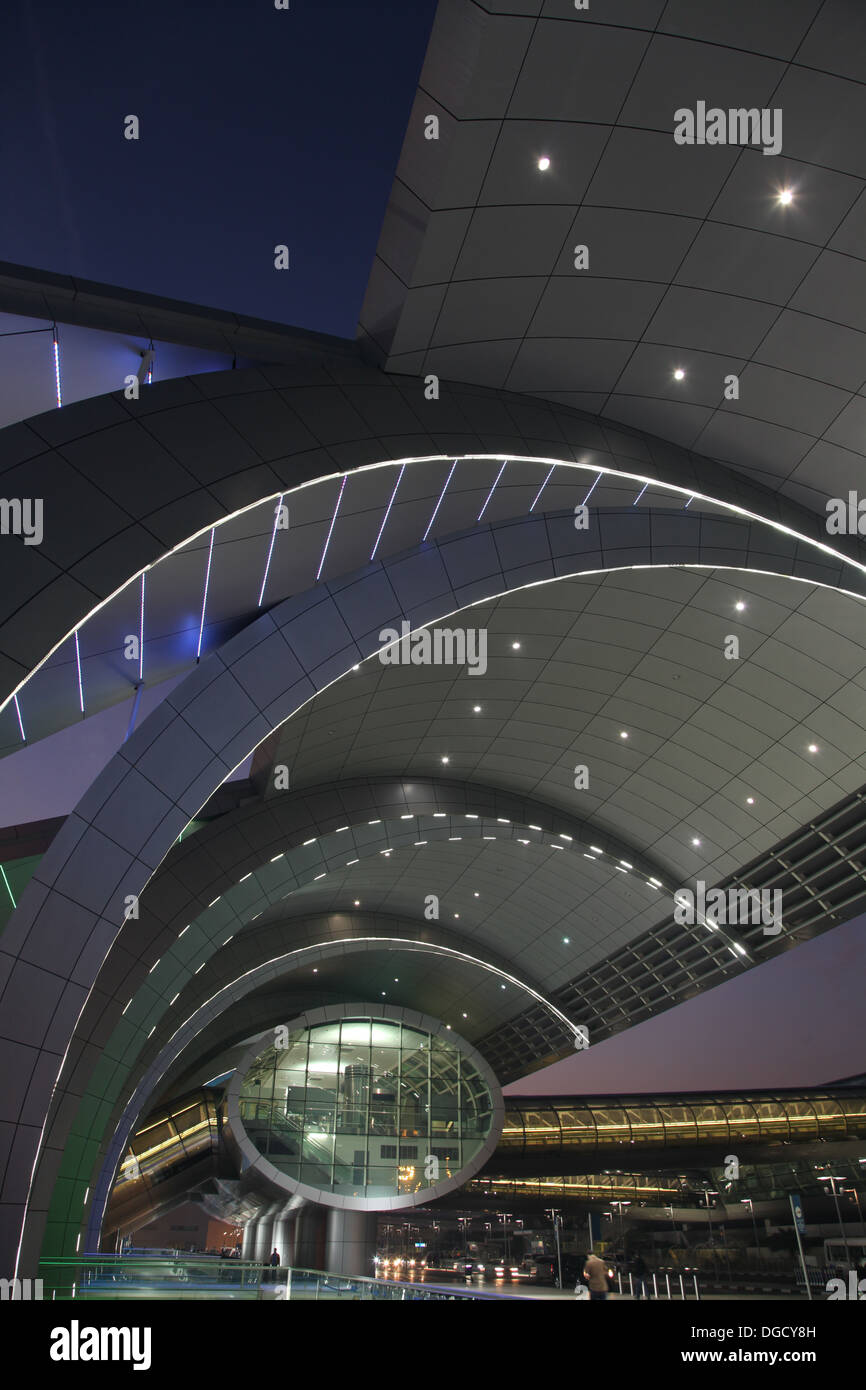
pixel 554 1215
pixel 832 1181
pixel 506 1217
pixel 747 1201
pixel 856 1195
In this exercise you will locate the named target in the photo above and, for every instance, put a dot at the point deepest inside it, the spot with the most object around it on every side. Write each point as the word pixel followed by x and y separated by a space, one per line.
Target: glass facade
pixel 366 1107
pixel 682 1121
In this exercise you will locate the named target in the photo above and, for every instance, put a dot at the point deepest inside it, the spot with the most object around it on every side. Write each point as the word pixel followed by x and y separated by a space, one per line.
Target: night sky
pixel 258 126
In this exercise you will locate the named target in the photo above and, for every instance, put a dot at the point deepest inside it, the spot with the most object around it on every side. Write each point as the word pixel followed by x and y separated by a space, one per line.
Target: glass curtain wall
pixel 366 1108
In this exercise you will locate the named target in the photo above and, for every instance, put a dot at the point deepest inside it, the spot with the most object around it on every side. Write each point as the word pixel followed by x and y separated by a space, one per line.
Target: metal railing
pixel 119 1277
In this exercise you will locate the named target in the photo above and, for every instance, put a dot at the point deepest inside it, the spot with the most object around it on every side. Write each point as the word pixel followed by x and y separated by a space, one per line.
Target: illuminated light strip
pixel 141 632
pixel 20 724
pixel 640 494
pixel 78 663
pixel 617 473
pixel 388 509
pixel 691 500
pixel 493 489
pixel 204 597
pixel 8 886
pixel 439 503
pixel 277 510
pixel 543 486
pixel 57 367
pixel 592 489
pixel 331 528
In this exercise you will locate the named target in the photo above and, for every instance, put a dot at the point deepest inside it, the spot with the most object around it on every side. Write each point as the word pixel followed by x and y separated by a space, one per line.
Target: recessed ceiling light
pixel 476 709
pixel 785 196
pixel 448 1026
pixel 396 979
pixel 465 1015
pixel 696 842
pixel 750 801
pixel 813 747
pixel 456 914
pixel 383 994
pixel 357 902
pixel 544 163
pixel 739 605
pixel 476 895
pixel 566 941
pixel 356 668
pixel 623 734
pixel 679 374
pixel 315 970
pixel 515 646
pixel 446 759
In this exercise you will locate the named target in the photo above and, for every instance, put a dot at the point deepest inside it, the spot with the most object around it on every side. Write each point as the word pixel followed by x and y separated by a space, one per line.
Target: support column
pixel 351 1241
pixel 309 1250
pixel 249 1242
pixel 264 1233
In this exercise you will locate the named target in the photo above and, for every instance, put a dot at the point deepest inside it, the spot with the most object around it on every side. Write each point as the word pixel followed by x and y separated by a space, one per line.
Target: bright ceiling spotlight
pixel 544 163
pixel 446 759
pixel 515 646
pixel 476 895
pixel 566 941
pixel 679 374
pixel 785 197
pixel 739 605
pixel 476 709
pixel 696 842
pixel 813 747
pixel 623 733
pixel 357 902
pixel 750 801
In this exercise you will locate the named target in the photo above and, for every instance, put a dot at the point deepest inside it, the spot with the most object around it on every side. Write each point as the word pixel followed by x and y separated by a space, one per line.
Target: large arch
pixel 111 845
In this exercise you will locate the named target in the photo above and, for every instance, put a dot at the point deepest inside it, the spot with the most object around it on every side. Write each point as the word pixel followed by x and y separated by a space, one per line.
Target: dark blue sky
pixel 258 126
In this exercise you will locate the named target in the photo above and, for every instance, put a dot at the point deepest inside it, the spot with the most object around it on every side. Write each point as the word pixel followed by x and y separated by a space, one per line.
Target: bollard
pixel 655 1287
pixel 697 1294
pixel 630 1286
pixel 668 1282
pixel 619 1280
pixel 682 1290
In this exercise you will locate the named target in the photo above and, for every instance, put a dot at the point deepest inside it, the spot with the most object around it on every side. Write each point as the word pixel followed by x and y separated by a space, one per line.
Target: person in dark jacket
pixel 275 1257
pixel 638 1271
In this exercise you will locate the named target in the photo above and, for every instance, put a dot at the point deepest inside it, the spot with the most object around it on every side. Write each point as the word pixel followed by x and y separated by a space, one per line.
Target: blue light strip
pixel 141 633
pixel 640 494
pixel 493 489
pixel 543 486
pixel 689 503
pixel 277 510
pixel 57 367
pixel 591 491
pixel 331 528
pixel 78 663
pixel 388 510
pixel 20 722
pixel 204 599
pixel 8 889
pixel 439 503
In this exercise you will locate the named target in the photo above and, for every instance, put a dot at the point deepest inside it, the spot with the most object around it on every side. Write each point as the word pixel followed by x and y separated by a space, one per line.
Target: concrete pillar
pixel 309 1251
pixel 249 1242
pixel 264 1234
pixel 281 1237
pixel 351 1241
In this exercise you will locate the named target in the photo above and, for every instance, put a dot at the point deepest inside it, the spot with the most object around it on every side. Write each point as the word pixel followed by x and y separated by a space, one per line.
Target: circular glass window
pixel 369 1109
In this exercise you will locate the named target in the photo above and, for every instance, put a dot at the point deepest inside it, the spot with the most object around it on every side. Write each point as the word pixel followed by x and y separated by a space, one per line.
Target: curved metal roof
pixel 694 263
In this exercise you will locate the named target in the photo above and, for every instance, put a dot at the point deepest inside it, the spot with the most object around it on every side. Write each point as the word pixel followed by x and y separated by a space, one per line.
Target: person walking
pixel 275 1258
pixel 638 1270
pixel 595 1274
